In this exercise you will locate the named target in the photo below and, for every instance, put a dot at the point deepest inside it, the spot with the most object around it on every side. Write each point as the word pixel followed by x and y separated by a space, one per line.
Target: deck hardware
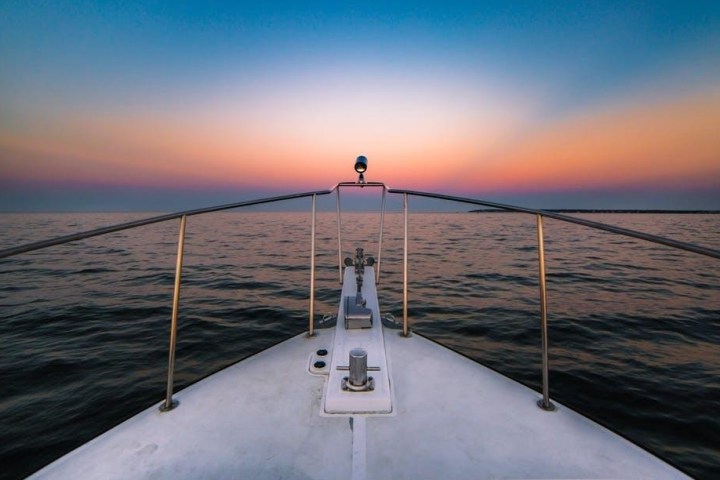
pixel 322 352
pixel 359 300
pixel 359 262
pixel 356 314
pixel 319 364
pixel 358 367
pixel 328 320
pixel 347 367
pixel 348 387
pixel 358 380
pixel 388 320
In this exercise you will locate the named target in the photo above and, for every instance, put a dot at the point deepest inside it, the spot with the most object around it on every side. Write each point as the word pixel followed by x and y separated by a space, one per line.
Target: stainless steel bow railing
pixel 544 403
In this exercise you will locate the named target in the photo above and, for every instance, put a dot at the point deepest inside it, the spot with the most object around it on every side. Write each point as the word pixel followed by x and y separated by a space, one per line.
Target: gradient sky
pixel 160 104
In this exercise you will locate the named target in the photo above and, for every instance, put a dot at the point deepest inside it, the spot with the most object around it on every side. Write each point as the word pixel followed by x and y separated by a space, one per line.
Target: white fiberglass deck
pixel 261 418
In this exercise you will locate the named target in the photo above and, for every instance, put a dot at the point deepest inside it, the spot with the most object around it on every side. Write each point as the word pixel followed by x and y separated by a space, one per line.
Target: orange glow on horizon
pixel 676 139
pixel 655 144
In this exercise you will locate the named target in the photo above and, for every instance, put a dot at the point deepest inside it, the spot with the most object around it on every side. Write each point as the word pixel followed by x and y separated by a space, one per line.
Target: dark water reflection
pixel 634 328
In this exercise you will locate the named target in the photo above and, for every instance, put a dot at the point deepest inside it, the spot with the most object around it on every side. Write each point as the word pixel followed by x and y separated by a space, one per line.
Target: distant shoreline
pixel 595 210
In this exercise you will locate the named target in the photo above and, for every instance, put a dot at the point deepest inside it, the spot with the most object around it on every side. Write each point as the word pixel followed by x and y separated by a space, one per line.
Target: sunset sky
pixel 161 105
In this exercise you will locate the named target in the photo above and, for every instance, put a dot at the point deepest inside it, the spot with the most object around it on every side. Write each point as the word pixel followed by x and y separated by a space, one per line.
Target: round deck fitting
pixel 550 408
pixel 164 408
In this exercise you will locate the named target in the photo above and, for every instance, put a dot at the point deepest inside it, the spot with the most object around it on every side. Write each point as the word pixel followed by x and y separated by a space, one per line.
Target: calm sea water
pixel 634 328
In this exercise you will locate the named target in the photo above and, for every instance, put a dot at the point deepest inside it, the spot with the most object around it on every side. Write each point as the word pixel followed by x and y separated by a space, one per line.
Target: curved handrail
pixel 544 403
pixel 29 247
pixel 566 218
pixel 9 252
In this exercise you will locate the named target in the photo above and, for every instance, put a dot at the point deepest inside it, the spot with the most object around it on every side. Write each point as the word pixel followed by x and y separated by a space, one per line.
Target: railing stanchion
pixel 340 262
pixel 169 402
pixel 405 331
pixel 311 328
pixel 379 255
pixel 545 403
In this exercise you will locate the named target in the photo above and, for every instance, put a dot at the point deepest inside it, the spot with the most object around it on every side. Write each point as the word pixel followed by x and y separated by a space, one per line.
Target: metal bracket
pixel 346 367
pixel 369 386
pixel 356 314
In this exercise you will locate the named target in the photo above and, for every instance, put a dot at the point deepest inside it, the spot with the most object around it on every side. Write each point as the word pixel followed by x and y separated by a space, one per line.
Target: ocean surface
pixel 634 327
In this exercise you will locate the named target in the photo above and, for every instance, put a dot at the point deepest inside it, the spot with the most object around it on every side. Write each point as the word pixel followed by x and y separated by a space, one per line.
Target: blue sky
pixel 542 102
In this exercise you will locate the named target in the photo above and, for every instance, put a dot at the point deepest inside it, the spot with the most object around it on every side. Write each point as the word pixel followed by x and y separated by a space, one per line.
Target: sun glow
pixel 469 102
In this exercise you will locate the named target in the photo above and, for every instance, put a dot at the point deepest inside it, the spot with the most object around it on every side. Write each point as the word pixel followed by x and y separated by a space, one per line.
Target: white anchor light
pixel 361 167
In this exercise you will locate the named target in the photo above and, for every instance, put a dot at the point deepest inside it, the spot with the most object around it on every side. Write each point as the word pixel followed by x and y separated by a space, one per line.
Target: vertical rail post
pixel 339 240
pixel 405 330
pixel 382 219
pixel 545 403
pixel 311 327
pixel 169 402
